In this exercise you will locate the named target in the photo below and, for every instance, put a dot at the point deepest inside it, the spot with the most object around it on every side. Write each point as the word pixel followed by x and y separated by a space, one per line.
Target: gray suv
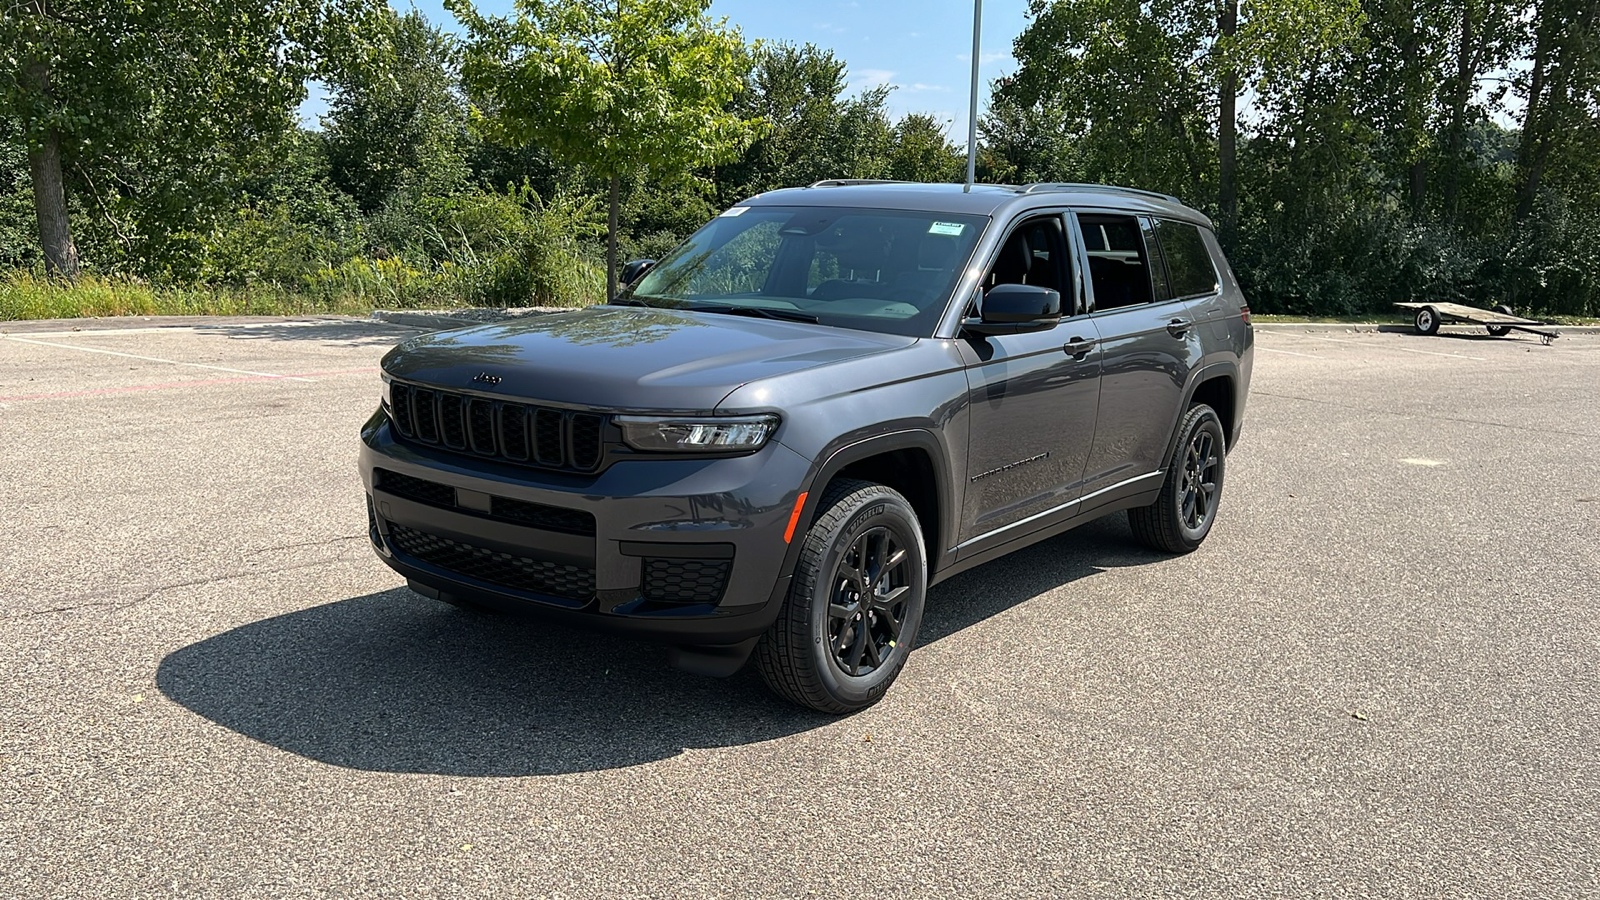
pixel 825 401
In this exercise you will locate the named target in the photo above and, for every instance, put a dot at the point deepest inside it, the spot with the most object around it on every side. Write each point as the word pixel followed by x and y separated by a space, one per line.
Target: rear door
pixel 1033 397
pixel 1148 344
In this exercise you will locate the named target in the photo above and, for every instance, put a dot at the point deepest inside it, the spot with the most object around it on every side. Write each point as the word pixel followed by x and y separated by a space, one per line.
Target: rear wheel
pixel 1427 320
pixel 1186 508
pixel 852 614
pixel 1501 330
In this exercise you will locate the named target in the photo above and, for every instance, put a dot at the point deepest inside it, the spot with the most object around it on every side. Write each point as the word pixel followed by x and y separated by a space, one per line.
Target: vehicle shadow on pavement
pixel 332 332
pixel 394 682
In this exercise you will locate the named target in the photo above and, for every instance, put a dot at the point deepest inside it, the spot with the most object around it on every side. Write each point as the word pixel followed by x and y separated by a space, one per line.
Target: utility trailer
pixel 1500 321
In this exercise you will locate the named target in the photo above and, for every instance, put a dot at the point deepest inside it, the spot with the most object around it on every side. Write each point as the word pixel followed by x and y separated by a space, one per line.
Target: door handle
pixel 1178 327
pixel 1078 347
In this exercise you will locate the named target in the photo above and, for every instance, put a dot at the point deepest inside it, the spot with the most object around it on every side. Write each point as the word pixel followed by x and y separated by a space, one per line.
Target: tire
pixel 1501 330
pixel 1185 510
pixel 806 656
pixel 1427 321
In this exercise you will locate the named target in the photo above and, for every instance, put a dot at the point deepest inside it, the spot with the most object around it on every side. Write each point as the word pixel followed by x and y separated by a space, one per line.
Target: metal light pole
pixel 972 108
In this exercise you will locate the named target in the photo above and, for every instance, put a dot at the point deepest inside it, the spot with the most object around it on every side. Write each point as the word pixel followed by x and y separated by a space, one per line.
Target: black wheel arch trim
pixel 1201 375
pixel 906 439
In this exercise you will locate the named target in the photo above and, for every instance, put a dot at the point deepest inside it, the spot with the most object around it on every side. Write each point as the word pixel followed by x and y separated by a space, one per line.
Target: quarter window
pixel 1188 260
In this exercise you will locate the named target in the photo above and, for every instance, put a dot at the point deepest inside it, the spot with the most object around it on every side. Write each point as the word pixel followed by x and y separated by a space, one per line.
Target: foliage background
pixel 1384 150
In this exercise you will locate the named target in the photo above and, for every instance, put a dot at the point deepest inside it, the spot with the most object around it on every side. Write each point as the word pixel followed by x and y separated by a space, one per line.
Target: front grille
pixel 511 432
pixel 684 580
pixel 533 576
pixel 430 492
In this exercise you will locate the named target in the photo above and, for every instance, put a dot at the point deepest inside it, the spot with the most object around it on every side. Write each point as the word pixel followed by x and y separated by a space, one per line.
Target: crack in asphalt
pixel 156 591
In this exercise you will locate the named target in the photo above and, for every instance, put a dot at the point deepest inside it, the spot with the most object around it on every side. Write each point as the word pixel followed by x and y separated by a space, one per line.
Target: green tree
pixel 400 123
pixel 624 88
pixel 186 87
pixel 920 150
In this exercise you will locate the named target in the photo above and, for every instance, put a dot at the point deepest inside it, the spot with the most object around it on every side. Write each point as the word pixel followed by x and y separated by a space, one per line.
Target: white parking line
pixel 1287 352
pixel 1312 337
pixel 156 359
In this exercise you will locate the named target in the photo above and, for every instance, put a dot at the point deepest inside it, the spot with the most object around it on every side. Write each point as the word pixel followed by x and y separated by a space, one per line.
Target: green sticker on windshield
pixel 951 228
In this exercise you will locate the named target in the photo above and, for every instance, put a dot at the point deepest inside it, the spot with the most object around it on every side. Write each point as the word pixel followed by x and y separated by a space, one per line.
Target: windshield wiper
pixel 627 301
pixel 760 312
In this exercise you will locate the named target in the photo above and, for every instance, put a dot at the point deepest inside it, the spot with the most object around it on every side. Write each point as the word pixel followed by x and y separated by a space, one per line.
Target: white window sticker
pixel 735 211
pixel 950 228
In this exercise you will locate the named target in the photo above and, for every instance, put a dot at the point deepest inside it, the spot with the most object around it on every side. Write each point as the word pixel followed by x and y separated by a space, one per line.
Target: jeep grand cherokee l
pixel 825 401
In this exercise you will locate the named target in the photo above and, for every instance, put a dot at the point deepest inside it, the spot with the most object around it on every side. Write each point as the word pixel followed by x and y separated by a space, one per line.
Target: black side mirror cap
pixel 1017 308
pixel 634 270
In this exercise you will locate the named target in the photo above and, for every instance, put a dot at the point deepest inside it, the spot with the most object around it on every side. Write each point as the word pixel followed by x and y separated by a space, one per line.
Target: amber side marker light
pixel 794 517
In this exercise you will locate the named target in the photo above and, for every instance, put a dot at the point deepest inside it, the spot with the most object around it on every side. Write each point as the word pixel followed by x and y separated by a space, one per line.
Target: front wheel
pixel 856 602
pixel 1186 508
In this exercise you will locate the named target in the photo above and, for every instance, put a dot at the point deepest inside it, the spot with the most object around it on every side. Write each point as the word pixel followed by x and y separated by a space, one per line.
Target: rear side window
pixel 1119 264
pixel 1188 260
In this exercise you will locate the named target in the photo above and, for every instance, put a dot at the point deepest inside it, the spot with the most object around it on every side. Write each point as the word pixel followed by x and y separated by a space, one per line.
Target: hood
pixel 625 357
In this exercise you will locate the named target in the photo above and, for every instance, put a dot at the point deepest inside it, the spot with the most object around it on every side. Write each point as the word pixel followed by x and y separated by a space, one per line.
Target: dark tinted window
pixel 1188 261
pixel 1119 266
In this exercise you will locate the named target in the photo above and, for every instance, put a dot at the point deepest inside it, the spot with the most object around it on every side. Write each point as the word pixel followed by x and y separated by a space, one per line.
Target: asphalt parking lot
pixel 1379 677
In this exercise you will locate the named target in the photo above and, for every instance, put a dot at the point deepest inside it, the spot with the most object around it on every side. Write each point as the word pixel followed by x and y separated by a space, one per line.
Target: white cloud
pixel 863 79
pixel 984 58
pixel 920 88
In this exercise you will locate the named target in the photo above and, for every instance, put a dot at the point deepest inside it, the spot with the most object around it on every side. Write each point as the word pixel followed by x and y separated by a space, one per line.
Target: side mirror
pixel 635 270
pixel 1015 309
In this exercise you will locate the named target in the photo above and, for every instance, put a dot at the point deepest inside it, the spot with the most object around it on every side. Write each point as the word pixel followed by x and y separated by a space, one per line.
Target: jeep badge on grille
pixel 486 378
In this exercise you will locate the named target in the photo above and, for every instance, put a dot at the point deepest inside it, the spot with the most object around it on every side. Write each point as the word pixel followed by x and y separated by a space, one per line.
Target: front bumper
pixel 689 551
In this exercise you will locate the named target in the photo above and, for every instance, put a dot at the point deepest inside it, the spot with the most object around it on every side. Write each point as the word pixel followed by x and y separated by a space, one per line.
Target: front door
pixel 1148 343
pixel 1033 398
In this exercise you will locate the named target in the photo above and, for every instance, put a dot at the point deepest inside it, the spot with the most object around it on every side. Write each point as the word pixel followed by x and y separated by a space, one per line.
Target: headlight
pixel 691 435
pixel 384 391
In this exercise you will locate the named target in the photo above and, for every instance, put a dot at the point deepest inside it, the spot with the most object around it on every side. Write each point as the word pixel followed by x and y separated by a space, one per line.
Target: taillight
pixel 1244 313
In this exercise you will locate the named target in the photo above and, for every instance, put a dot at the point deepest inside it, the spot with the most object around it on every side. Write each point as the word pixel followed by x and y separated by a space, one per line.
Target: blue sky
pixel 923 48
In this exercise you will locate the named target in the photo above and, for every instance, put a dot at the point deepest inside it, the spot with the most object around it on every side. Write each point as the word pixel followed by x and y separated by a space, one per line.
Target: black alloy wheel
pixel 868 610
pixel 1186 507
pixel 1199 486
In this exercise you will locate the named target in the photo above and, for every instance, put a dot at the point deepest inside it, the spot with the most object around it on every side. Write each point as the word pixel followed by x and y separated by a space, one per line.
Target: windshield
pixel 871 269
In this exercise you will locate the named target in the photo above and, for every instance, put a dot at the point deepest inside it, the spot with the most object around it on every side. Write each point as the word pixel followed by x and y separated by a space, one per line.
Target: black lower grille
pixel 533 576
pixel 537 515
pixel 418 489
pixel 505 509
pixel 511 432
pixel 685 580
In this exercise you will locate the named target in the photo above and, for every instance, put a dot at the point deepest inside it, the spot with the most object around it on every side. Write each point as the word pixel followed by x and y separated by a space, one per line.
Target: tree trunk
pixel 1530 155
pixel 49 193
pixel 1413 77
pixel 50 206
pixel 1228 126
pixel 611 240
pixel 1461 92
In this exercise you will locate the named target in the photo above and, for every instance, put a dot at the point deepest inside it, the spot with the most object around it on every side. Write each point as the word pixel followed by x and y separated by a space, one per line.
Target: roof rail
pixel 850 182
pixel 1042 186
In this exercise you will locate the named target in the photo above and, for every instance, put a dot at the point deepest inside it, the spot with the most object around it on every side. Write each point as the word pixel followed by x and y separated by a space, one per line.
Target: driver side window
pixel 1036 253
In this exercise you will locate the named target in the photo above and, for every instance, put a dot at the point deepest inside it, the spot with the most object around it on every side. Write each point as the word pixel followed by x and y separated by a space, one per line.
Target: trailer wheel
pixel 1501 330
pixel 1427 320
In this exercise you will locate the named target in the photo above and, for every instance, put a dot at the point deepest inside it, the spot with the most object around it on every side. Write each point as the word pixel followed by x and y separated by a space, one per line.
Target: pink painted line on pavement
pixel 170 385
